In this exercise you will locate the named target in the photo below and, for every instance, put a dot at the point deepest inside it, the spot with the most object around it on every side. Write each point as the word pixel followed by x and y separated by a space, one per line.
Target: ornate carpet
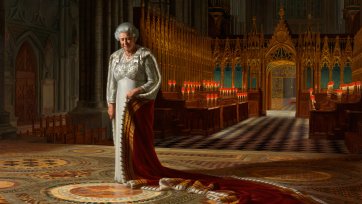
pixel 46 173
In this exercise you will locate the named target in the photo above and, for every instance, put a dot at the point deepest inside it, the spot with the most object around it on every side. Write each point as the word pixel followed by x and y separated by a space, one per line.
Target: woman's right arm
pixel 111 90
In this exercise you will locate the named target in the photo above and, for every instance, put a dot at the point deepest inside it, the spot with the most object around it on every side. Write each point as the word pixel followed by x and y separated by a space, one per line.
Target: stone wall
pixel 51 29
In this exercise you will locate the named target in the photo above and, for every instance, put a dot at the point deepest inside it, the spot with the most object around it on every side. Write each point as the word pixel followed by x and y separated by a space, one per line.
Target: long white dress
pixel 124 75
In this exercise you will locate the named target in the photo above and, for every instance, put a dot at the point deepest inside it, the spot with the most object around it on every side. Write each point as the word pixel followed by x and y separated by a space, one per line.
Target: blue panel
pixel 308 77
pixel 228 77
pixel 253 83
pixel 347 74
pixel 217 73
pixel 324 77
pixel 238 79
pixel 336 76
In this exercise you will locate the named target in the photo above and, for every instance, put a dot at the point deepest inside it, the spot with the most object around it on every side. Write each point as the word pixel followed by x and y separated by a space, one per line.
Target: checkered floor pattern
pixel 278 131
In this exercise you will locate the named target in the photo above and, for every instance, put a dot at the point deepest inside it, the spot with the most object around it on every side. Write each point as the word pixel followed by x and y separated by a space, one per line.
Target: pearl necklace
pixel 128 56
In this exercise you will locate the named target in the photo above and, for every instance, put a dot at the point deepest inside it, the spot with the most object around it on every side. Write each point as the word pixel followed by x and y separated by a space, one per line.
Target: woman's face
pixel 127 41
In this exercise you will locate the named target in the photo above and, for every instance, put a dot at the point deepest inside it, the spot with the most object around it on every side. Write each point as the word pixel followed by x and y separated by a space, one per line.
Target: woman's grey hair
pixel 126 28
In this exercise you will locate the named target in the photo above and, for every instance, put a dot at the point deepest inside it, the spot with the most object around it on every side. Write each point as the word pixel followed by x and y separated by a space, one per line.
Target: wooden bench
pixel 353 136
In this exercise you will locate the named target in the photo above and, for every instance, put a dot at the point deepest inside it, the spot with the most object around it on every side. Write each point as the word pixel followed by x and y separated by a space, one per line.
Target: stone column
pixel 6 130
pixel 97 22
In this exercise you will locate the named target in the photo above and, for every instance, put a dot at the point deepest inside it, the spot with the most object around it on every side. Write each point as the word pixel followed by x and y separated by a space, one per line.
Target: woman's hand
pixel 111 110
pixel 134 92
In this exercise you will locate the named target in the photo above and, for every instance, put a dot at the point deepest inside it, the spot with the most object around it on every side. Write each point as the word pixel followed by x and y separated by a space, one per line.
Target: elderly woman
pixel 133 82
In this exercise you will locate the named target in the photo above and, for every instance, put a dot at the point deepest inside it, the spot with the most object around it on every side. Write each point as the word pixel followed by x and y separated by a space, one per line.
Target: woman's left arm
pixel 151 74
pixel 150 88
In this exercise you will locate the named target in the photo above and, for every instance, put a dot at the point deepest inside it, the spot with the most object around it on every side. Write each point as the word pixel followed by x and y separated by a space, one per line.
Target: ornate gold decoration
pixel 281 42
pixel 182 53
pixel 325 57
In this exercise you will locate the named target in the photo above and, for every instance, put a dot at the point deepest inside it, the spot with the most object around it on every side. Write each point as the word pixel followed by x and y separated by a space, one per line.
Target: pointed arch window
pixel 217 73
pixel 336 76
pixel 228 76
pixel 238 78
pixel 254 76
pixel 324 76
pixel 308 77
pixel 347 74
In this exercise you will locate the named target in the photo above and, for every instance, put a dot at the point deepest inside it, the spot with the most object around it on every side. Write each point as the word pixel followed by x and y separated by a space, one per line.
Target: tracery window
pixel 254 75
pixel 281 54
pixel 336 76
pixel 347 74
pixel 227 76
pixel 238 77
pixel 308 77
pixel 217 73
pixel 324 77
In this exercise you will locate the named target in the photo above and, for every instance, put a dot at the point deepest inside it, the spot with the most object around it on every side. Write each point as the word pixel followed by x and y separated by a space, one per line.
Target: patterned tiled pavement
pixel 277 131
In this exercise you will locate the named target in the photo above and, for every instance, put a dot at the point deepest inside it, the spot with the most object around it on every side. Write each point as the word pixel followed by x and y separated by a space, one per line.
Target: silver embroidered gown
pixel 124 75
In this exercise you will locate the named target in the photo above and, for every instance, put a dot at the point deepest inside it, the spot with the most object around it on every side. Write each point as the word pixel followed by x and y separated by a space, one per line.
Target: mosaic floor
pixel 48 173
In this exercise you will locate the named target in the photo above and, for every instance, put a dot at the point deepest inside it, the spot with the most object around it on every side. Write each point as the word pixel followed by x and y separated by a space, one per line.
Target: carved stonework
pixel 227 50
pixel 36 12
pixel 281 41
pixel 48 60
pixel 325 57
pixel 217 53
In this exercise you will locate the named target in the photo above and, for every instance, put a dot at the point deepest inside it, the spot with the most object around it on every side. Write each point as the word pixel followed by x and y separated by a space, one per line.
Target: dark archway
pixel 25 84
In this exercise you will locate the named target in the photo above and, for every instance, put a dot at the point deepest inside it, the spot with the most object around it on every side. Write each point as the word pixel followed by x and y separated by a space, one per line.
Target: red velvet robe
pixel 142 169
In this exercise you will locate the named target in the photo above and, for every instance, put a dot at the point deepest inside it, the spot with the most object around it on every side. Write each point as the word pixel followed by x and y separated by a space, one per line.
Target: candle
pixel 207 99
pixel 358 86
pixel 339 93
pixel 310 91
pixel 169 85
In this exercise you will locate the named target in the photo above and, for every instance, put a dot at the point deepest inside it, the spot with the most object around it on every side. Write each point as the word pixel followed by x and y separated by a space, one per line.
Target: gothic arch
pixel 280 56
pixel 28 50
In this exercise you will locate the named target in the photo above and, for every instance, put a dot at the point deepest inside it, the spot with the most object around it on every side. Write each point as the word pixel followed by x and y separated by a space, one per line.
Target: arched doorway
pixel 25 84
pixel 281 85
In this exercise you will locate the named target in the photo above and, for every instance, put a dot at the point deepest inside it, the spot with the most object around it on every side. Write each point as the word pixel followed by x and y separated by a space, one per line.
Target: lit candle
pixel 339 93
pixel 310 91
pixel 358 85
pixel 169 85
pixel 174 84
pixel 351 87
pixel 207 99
pixel 312 98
